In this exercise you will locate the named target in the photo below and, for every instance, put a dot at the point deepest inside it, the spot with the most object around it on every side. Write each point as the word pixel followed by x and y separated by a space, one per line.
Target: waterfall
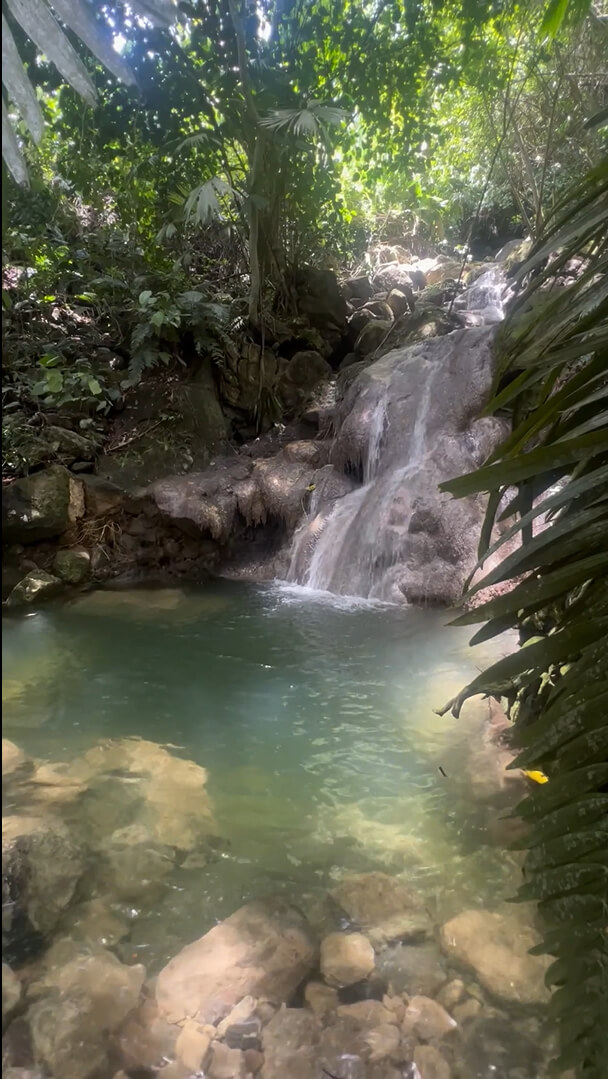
pixel 486 297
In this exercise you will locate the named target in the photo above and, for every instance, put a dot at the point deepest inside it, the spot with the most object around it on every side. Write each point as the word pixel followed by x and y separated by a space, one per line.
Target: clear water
pixel 313 717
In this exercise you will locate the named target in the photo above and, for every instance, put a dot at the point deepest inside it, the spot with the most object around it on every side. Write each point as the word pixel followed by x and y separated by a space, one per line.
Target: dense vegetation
pixel 172 216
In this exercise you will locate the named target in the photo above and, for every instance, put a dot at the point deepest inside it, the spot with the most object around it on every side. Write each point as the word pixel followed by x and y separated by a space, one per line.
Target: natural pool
pixel 313 718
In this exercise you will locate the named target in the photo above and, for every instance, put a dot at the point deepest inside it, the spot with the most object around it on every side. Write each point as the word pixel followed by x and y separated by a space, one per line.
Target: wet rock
pixel 146 1038
pixel 192 1046
pixel 346 958
pixel 226 1063
pixel 14 760
pixel 493 1046
pixel 465 1012
pixel 264 949
pixel 254 1061
pixel 451 994
pixel 68 1040
pixel 495 947
pixel 412 968
pixel 96 922
pixel 430 1063
pixel 372 988
pixel 369 1013
pixel 35 587
pixel 427 1019
pixel 382 907
pixel 22 1073
pixel 92 978
pixel 72 566
pixel 384 1042
pixel 41 867
pixel 290 1044
pixel 40 506
pixel 321 999
pixel 395 276
pixel 11 992
pixel 244 1010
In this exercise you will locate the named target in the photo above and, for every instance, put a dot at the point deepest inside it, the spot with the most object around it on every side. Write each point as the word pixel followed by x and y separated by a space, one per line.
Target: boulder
pixel 131 863
pixel 146 1039
pixel 427 1020
pixel 382 907
pixel 72 566
pixel 373 336
pixel 290 1045
pixel 93 979
pixel 41 867
pixel 11 992
pixel 14 760
pixel 357 287
pixel 495 947
pixel 68 1039
pixel 400 300
pixel 346 958
pixel 264 949
pixel 430 1063
pixel 225 1063
pixel 192 1046
pixel 367 1013
pixel 35 587
pixel 40 506
pixel 396 275
pixel 451 994
pixel 441 270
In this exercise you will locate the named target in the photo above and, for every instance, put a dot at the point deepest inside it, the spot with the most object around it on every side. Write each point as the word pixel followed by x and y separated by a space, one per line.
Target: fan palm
pixel 46 25
pixel 553 380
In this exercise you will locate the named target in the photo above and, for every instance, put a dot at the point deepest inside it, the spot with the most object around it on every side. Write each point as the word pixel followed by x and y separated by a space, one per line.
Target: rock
pixel 321 999
pixel 41 867
pixel 146 1038
pixel 225 1063
pixel 132 864
pixel 442 270
pixel 264 949
pixel 244 1035
pixel 290 1044
pixel 346 958
pixel 373 337
pixel 427 1019
pixel 307 369
pixel 253 1061
pixel 359 287
pixel 382 907
pixel 451 994
pixel 35 587
pixel 40 506
pixel 67 1040
pixel 11 992
pixel 464 1013
pixel 495 947
pixel 400 300
pixel 244 1010
pixel 396 276
pixel 92 978
pixel 492 1045
pixel 14 759
pixel 380 309
pixel 96 922
pixel 412 968
pixel 430 1063
pixel 72 566
pixel 192 1046
pixel 384 1042
pixel 368 1013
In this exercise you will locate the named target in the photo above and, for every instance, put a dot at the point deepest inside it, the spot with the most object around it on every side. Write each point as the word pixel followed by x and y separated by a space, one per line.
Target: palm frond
pixel 202 204
pixel 42 23
pixel 553 379
pixel 309 121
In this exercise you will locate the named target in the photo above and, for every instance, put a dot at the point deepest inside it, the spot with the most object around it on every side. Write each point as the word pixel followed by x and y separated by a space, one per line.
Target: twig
pixel 133 438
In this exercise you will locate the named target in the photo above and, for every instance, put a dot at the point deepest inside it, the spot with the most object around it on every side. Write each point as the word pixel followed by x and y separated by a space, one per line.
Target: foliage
pixel 553 380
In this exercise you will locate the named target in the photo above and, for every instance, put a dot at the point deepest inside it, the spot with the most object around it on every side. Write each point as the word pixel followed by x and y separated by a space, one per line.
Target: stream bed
pixel 313 719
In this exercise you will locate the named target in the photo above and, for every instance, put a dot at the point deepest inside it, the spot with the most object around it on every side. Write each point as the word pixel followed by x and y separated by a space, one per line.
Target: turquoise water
pixel 313 719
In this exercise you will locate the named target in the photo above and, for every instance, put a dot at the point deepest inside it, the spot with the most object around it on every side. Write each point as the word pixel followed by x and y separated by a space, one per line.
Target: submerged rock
pixel 495 947
pixel 11 992
pixel 430 1063
pixel 382 907
pixel 346 958
pixel 264 949
pixel 412 968
pixel 427 1019
pixel 14 760
pixel 290 1044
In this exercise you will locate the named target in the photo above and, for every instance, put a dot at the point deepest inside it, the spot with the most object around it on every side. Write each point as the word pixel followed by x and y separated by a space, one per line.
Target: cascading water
pixel 486 297
pixel 408 421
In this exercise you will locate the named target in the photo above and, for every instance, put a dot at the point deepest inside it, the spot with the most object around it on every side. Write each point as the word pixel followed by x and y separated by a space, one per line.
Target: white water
pixel 486 296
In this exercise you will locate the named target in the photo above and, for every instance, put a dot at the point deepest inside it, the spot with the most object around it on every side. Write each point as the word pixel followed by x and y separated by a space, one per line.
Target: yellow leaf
pixel 536 777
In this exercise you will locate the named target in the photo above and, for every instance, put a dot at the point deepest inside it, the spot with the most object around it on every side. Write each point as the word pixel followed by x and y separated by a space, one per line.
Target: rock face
pixel 346 958
pixel 264 949
pixel 495 947
pixel 407 423
pixel 40 506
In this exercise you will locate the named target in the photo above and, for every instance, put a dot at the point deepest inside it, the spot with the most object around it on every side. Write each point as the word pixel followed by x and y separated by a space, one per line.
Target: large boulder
pixel 41 867
pixel 35 587
pixel 264 949
pixel 40 506
pixel 495 948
